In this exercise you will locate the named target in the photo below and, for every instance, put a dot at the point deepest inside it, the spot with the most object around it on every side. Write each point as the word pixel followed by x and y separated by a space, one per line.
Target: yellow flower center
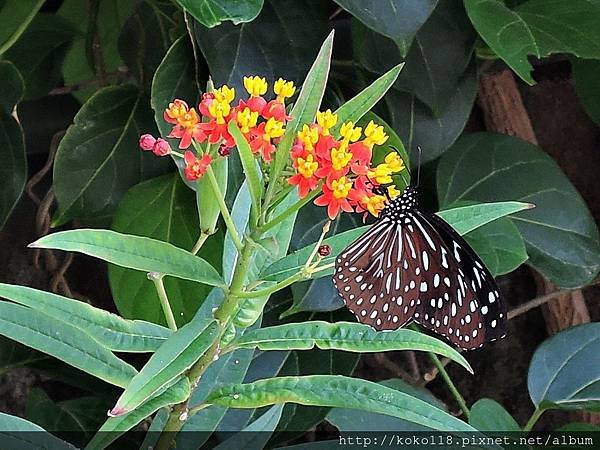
pixel 255 85
pixel 349 132
pixel 219 110
pixel 247 119
pixel 284 89
pixel 309 137
pixel 341 187
pixel 374 204
pixel 188 119
pixel 375 135
pixel 307 167
pixel 394 162
pixel 273 129
pixel 326 120
pixel 340 157
pixel 381 174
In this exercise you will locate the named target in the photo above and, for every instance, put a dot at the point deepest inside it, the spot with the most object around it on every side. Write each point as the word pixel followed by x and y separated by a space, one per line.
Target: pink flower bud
pixel 147 142
pixel 224 150
pixel 161 147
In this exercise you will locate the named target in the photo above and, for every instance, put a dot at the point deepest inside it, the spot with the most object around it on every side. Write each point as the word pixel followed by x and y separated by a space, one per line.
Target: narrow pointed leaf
pixel 63 341
pixel 250 168
pixel 346 336
pixel 308 101
pixel 462 219
pixel 171 360
pixel 116 426
pixel 255 435
pixel 489 415
pixel 134 252
pixel 337 391
pixel 362 103
pixel 111 330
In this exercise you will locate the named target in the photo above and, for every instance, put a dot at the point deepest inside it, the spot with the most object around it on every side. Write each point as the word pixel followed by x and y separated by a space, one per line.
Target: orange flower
pixel 187 125
pixel 335 197
pixel 265 132
pixel 305 179
pixel 195 167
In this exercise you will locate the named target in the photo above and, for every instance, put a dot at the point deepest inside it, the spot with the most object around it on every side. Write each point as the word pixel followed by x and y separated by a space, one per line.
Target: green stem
pixel 457 396
pixel 180 412
pixel 157 279
pixel 235 237
pixel 274 288
pixel 533 419
pixel 285 214
pixel 200 242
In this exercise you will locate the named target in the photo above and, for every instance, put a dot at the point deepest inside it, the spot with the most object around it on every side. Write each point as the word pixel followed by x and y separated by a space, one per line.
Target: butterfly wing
pixel 460 299
pixel 420 268
pixel 371 276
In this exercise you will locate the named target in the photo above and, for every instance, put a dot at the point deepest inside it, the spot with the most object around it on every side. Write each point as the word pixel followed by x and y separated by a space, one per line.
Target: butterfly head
pixel 396 207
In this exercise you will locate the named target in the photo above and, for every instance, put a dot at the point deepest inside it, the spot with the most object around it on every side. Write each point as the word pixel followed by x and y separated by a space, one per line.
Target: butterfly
pixel 412 266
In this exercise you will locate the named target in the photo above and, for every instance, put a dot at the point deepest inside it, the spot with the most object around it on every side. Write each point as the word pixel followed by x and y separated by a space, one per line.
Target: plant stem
pixel 200 242
pixel 457 396
pixel 157 279
pixel 180 412
pixel 285 214
pixel 533 419
pixel 235 237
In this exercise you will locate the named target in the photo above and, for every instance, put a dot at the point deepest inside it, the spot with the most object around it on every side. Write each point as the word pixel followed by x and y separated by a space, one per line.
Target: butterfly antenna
pixel 419 166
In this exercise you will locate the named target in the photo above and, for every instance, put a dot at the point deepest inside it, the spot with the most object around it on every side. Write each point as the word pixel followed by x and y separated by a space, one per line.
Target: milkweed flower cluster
pixel 262 123
pixel 342 169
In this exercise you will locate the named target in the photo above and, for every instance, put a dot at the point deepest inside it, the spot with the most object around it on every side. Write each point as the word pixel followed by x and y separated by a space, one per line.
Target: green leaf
pixel 134 252
pixel 79 65
pixel 163 209
pixel 538 28
pixel 63 341
pixel 462 219
pixel 359 105
pixel 398 20
pixel 172 359
pixel 418 126
pixel 211 13
pixel 174 78
pixel 346 336
pixel 307 104
pixel 347 420
pixel 39 53
pixel 491 167
pixel 435 63
pixel 15 16
pixel 255 435
pixel 255 185
pixel 144 40
pixel 234 51
pixel 110 330
pixel 208 208
pixel 489 415
pixel 20 434
pixel 11 88
pixel 465 219
pixel 500 245
pixel 586 86
pixel 564 371
pixel 116 426
pixel 77 417
pixel 99 159
pixel 13 164
pixel 337 391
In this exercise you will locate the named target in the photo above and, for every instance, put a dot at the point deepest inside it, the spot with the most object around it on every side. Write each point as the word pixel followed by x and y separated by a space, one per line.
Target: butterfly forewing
pixel 411 265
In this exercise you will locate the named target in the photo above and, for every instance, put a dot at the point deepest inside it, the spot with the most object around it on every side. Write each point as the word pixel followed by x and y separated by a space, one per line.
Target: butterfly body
pixel 412 266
